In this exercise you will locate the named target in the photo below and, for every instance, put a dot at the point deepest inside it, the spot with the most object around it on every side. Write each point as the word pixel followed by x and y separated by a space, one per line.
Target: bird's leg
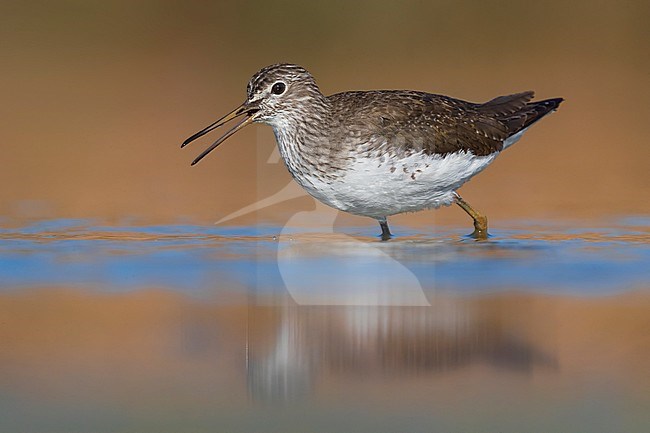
pixel 480 221
pixel 385 231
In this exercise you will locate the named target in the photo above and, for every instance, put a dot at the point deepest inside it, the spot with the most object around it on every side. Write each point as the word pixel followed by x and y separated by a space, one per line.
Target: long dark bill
pixel 246 121
pixel 225 119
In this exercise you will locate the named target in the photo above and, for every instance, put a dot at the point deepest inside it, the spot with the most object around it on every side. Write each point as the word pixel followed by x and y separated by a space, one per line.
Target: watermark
pixel 319 266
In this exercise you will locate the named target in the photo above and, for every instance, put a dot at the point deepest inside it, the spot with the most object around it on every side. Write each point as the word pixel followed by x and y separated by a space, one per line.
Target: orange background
pixel 97 97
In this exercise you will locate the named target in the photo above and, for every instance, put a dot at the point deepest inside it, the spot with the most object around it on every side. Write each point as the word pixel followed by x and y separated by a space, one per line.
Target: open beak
pixel 247 110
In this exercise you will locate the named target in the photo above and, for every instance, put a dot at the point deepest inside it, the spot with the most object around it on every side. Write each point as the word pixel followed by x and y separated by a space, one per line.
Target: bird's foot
pixel 480 232
pixel 385 231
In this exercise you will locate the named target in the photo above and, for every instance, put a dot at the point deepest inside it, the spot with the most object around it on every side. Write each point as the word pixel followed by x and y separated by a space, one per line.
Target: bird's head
pixel 277 95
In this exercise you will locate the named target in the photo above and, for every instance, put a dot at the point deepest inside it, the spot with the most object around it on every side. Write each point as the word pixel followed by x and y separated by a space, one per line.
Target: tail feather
pixel 531 113
pixel 508 104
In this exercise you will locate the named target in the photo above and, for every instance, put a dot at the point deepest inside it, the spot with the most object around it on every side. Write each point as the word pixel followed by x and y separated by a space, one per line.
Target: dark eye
pixel 278 88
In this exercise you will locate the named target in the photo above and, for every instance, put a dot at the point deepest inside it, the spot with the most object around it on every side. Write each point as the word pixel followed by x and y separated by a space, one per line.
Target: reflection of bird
pixel 315 344
pixel 381 153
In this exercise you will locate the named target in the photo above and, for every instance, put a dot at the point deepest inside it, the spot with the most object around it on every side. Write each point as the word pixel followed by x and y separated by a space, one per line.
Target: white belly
pixel 382 187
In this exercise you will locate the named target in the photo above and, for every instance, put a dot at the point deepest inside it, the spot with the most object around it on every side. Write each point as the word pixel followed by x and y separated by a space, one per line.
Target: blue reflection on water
pixel 201 260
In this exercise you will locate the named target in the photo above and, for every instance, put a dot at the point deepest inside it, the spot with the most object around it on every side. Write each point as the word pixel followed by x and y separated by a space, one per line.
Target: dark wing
pixel 408 121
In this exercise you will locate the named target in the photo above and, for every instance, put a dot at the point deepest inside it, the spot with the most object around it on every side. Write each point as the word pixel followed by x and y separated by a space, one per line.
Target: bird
pixel 379 153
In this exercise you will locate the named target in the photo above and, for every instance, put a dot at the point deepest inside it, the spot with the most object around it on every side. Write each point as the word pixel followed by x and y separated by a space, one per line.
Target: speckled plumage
pixel 379 153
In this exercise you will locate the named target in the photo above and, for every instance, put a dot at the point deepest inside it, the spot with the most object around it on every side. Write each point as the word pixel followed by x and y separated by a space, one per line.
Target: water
pixel 544 327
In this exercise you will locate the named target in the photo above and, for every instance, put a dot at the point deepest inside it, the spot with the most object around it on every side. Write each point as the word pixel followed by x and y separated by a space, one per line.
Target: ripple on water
pixel 537 256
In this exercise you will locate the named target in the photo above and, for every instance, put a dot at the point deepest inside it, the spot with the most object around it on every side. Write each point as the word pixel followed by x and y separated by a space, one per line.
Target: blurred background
pixel 97 97
pixel 123 308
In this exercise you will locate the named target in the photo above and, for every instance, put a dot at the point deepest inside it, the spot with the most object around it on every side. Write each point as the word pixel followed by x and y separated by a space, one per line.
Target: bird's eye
pixel 278 88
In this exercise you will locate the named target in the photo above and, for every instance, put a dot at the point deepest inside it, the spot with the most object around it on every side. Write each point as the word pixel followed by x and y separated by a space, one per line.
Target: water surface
pixel 544 327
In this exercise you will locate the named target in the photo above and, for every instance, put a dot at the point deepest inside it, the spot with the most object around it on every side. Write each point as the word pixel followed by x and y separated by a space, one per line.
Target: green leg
pixel 480 221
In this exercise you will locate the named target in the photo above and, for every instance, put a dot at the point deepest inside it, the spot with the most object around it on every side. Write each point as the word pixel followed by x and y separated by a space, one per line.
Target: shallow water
pixel 544 327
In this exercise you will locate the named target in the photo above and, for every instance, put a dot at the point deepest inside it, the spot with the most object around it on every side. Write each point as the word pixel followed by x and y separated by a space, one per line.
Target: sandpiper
pixel 384 152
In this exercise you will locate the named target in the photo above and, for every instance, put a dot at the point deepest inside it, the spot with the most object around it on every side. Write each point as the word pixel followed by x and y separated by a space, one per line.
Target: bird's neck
pixel 304 141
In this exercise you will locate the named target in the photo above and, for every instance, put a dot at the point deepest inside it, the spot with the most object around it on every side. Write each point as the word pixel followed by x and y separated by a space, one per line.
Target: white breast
pixel 384 186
